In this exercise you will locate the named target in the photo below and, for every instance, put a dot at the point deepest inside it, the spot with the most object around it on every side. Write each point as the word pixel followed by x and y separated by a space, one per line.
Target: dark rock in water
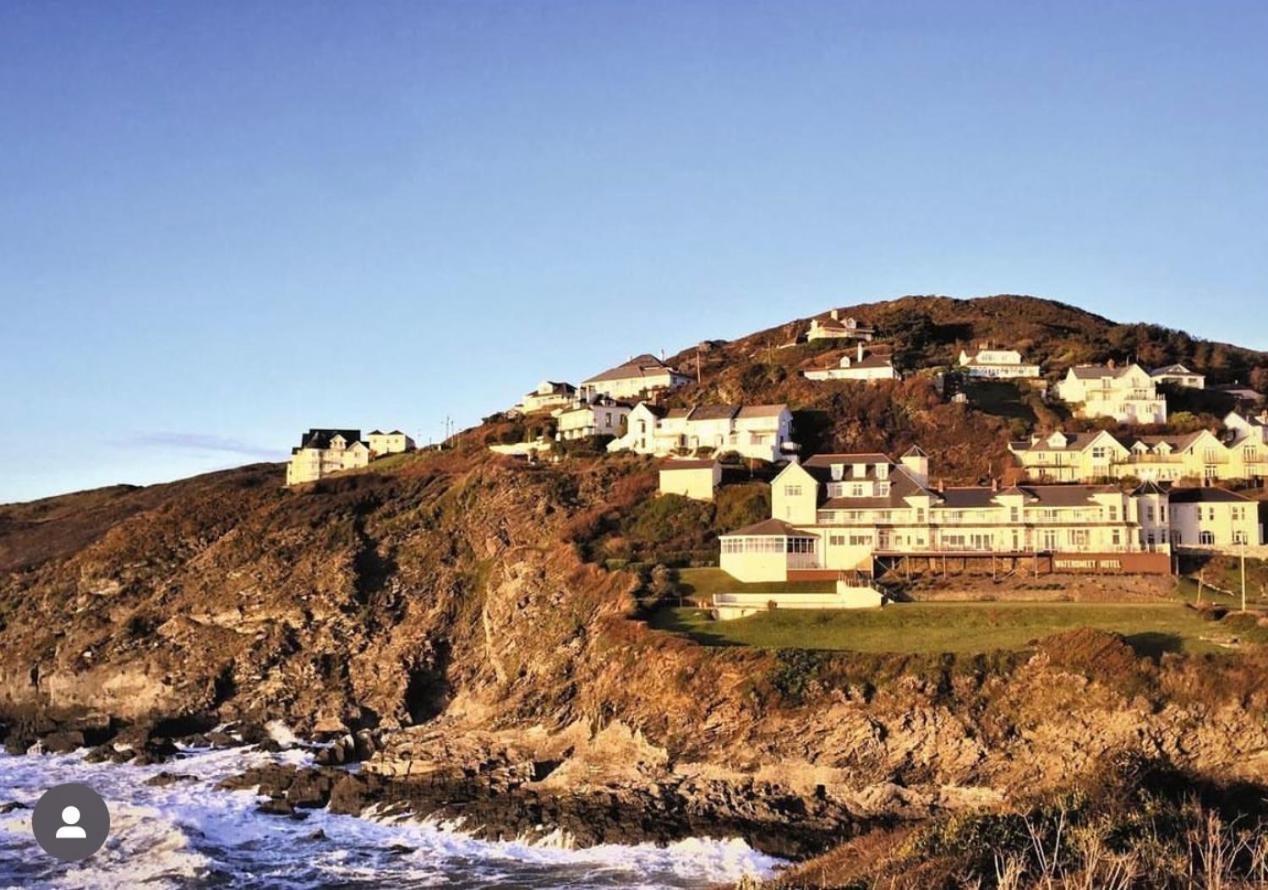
pixel 317 835
pixel 100 754
pixel 401 849
pixel 310 789
pixel 276 807
pixel 166 778
pixel 12 805
pixel 63 742
pixel 222 740
pixel 363 744
pixel 157 750
pixel 270 745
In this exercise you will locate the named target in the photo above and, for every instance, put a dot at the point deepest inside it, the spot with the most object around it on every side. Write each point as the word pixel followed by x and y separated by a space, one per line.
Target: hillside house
pixel 696 479
pixel 1245 397
pixel 1248 428
pixel 637 378
pixel 549 395
pixel 1128 394
pixel 395 442
pixel 602 417
pixel 1178 375
pixel 325 451
pixel 834 327
pixel 760 432
pixel 1213 517
pixel 858 367
pixel 839 513
pixel 1071 457
pixel 1087 457
pixel 997 364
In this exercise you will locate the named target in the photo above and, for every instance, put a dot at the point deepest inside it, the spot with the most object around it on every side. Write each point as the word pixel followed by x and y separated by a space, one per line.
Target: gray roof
pixel 1206 496
pixel 645 365
pixel 320 438
pixel 769 528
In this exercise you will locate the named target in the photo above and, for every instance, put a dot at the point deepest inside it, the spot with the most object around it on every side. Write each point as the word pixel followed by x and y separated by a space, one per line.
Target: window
pixel 1207 538
pixel 1239 537
pixel 1113 513
pixel 1014 514
pixel 836 540
pixel 1116 537
pixel 792 491
pixel 1100 453
pixel 856 490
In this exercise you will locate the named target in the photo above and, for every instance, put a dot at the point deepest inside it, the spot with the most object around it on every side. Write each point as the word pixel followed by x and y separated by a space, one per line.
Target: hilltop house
pixel 1128 394
pixel 860 367
pixel 1178 375
pixel 842 513
pixel 395 442
pixel 999 364
pixel 639 377
pixel 548 395
pixel 834 327
pixel 762 432
pixel 1213 517
pixel 325 451
pixel 602 417
pixel 697 479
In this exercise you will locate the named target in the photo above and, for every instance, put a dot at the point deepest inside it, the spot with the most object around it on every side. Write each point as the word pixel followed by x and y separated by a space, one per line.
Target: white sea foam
pixel 184 834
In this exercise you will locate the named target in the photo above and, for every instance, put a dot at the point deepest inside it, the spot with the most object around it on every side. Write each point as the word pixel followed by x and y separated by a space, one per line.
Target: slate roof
pixel 1206 496
pixel 769 528
pixel 645 365
pixel 320 438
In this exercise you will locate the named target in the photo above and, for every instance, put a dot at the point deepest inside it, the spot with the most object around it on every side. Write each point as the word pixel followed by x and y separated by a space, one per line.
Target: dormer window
pixel 882 471
pixel 838 471
pixel 860 470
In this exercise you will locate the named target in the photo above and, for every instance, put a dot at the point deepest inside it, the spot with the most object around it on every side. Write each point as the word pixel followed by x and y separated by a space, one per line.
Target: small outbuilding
pixel 697 479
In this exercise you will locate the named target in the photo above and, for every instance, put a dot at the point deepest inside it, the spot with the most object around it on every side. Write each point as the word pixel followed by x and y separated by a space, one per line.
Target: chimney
pixel 1111 364
pixel 995 484
pixel 860 358
pixel 942 486
pixel 835 314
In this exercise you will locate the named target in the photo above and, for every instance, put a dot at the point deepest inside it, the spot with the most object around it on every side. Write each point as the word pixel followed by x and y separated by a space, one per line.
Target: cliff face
pixel 441 596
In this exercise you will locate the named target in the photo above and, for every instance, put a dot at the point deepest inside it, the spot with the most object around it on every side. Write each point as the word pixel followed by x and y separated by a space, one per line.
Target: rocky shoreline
pixel 489 795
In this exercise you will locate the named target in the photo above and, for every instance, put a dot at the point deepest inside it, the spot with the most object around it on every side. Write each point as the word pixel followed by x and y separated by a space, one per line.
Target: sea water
pixel 190 835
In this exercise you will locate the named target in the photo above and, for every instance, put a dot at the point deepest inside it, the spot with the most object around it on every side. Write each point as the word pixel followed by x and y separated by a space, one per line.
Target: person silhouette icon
pixel 71 829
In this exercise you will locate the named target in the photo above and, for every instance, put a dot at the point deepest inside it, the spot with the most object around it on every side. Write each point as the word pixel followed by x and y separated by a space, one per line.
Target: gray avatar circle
pixel 71 821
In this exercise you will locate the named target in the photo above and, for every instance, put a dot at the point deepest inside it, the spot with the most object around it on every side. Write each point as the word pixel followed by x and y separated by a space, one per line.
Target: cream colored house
pixel 639 377
pixel 1213 517
pixel 696 479
pixel 1128 394
pixel 998 364
pixel 325 451
pixel 549 395
pixel 1087 457
pixel 844 512
pixel 760 432
pixel 582 420
pixel 858 367
pixel 1178 375
pixel 1070 457
pixel 1248 449
pixel 395 442
pixel 834 327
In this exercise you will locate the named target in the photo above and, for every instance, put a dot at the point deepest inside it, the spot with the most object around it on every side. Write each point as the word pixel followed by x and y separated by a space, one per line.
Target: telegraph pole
pixel 1243 575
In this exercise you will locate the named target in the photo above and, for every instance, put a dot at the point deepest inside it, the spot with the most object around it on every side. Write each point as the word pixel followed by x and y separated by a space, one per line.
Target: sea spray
pixel 186 834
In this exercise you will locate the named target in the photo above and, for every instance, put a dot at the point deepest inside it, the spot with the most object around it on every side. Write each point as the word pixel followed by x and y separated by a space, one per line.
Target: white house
pixel 641 376
pixel 395 442
pixel 834 327
pixel 1213 517
pixel 1178 375
pixel 997 364
pixel 548 395
pixel 1128 394
pixel 602 417
pixel 841 513
pixel 761 432
pixel 697 479
pixel 1253 428
pixel 858 367
pixel 325 451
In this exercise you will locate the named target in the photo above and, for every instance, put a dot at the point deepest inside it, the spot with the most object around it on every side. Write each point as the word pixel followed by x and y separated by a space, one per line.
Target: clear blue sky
pixel 221 223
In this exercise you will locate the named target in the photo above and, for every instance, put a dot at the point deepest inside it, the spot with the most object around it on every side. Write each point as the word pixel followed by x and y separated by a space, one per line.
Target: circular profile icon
pixel 71 822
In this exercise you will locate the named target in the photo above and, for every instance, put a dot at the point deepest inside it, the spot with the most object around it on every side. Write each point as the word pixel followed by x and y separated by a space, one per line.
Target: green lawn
pixel 1152 629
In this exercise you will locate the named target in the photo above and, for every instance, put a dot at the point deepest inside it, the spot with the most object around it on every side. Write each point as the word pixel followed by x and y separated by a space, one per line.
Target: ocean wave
pixel 187 834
